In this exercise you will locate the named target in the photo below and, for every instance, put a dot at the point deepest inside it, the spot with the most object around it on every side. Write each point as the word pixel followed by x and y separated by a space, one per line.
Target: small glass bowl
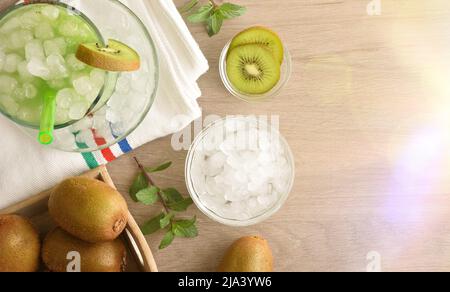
pixel 286 71
pixel 197 147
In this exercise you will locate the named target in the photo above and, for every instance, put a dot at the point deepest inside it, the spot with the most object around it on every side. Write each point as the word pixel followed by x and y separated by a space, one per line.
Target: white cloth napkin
pixel 26 168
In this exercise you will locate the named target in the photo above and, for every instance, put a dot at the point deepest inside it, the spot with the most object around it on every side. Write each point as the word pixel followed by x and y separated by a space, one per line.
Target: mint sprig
pixel 145 191
pixel 212 14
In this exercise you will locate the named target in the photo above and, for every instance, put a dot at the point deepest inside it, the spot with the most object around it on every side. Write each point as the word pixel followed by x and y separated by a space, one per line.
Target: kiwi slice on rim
pixel 262 36
pixel 253 69
pixel 116 56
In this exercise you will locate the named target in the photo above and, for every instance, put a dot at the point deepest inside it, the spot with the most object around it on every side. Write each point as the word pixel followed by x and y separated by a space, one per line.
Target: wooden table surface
pixel 367 114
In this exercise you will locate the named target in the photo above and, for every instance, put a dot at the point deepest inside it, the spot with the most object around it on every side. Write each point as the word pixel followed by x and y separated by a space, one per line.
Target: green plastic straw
pixel 48 118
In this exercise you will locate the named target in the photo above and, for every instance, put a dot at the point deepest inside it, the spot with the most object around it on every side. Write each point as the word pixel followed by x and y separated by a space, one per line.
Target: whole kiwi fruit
pixel 19 245
pixel 88 209
pixel 248 254
pixel 107 256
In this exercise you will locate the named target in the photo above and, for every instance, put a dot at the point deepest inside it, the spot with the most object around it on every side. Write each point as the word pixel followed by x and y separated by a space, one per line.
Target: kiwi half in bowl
pixel 253 69
pixel 262 36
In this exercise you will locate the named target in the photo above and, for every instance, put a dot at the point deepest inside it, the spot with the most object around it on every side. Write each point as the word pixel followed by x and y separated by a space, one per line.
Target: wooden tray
pixel 140 257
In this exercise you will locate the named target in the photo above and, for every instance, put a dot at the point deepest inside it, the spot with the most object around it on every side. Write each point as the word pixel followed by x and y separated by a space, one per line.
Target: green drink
pixel 38 43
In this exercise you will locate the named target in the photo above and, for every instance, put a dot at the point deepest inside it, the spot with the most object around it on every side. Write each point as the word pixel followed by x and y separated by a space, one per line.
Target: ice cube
pixel 18 39
pixel 9 105
pixel 139 82
pixel 7 84
pixel 229 144
pixel 27 114
pixel 97 77
pixel 62 116
pixel 34 50
pixel 236 195
pixel 83 85
pixel 11 63
pixel 93 95
pixel 99 121
pixel 266 200
pixel 118 129
pixel 235 160
pixel 265 158
pixel 2 59
pixel 30 19
pixel 74 63
pixel 240 177
pixel 214 188
pixel 56 46
pixel 19 94
pixel 23 70
pixel 64 98
pixel 214 203
pixel 10 25
pixel 123 85
pixel 57 66
pixel 215 164
pixel 112 116
pixel 83 124
pixel 78 110
pixel 50 12
pixel 38 68
pixel 117 101
pixel 281 183
pixel 69 28
pixel 29 90
pixel 44 31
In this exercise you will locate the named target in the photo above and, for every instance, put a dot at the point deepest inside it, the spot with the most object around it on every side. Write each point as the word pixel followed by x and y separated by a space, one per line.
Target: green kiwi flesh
pixel 262 36
pixel 252 69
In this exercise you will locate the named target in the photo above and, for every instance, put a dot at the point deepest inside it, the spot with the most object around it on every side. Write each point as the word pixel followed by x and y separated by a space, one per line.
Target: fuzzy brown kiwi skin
pixel 19 245
pixel 248 254
pixel 108 256
pixel 88 209
pixel 102 61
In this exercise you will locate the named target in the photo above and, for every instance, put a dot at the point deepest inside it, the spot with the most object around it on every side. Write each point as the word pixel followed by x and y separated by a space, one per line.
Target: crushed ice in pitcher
pixel 37 46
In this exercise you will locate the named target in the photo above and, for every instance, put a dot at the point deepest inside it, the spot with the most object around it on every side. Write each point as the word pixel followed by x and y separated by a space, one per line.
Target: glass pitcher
pixel 95 109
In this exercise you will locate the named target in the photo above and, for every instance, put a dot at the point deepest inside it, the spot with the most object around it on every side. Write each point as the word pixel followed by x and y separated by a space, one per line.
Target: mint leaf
pixel 214 23
pixel 159 168
pixel 148 196
pixel 202 15
pixel 185 228
pixel 165 221
pixel 167 240
pixel 152 225
pixel 230 11
pixel 139 184
pixel 181 205
pixel 172 196
pixel 188 6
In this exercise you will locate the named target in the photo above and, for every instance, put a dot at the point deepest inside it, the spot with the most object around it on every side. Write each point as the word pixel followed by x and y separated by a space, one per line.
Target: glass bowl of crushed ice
pixel 240 170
